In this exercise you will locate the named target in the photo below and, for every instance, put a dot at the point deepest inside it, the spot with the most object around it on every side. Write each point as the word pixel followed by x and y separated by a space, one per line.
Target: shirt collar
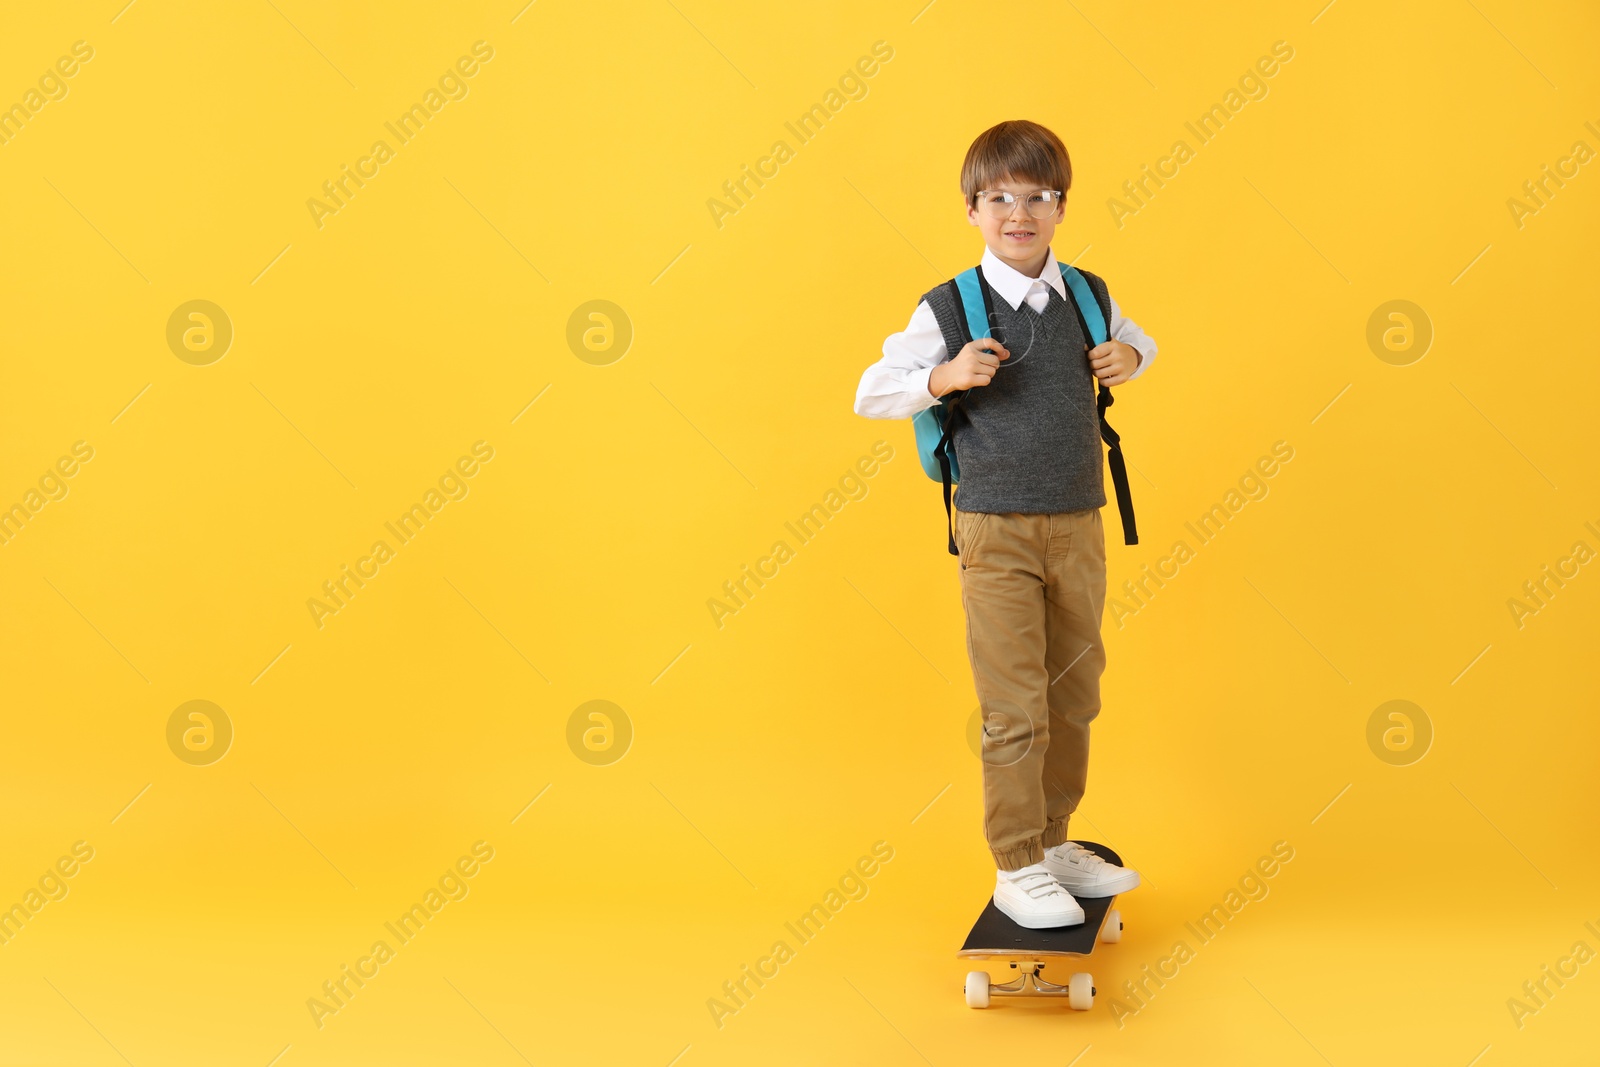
pixel 1013 285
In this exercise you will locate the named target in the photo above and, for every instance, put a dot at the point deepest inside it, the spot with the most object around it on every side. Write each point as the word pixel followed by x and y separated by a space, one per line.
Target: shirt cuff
pixel 918 381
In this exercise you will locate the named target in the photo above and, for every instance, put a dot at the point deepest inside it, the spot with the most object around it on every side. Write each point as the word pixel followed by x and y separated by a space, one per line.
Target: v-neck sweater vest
pixel 1030 440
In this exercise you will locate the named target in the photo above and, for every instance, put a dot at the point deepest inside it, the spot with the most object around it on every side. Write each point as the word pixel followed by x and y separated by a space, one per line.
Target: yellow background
pixel 833 709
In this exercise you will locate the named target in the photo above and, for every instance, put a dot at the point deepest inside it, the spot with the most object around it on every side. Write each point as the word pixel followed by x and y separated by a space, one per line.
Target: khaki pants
pixel 1034 590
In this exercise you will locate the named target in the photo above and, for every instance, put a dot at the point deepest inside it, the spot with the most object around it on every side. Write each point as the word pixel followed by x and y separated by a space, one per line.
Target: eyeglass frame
pixel 1060 195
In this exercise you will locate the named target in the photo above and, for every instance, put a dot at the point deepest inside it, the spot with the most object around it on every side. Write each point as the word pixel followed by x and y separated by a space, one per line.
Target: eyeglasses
pixel 1041 203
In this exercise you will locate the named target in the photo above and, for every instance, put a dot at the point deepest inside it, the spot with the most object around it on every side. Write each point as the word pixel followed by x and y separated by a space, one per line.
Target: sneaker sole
pixel 1109 889
pixel 1039 922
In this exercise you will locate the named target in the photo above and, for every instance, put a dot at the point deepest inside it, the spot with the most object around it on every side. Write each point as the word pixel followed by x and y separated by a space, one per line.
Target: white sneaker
pixel 1031 898
pixel 1085 874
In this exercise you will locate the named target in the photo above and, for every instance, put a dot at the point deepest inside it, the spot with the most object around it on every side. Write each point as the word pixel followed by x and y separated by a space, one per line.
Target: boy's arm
pixel 896 387
pixel 1127 331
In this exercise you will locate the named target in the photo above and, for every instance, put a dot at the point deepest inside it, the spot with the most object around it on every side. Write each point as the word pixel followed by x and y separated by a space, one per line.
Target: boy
pixel 1027 512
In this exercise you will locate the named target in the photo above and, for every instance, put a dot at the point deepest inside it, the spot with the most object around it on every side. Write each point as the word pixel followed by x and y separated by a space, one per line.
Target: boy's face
pixel 1020 240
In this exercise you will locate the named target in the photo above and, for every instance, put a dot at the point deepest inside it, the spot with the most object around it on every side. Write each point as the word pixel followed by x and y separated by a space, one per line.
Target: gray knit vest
pixel 1029 440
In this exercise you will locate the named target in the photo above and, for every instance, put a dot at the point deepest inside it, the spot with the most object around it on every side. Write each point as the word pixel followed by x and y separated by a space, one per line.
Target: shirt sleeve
pixel 1127 331
pixel 896 387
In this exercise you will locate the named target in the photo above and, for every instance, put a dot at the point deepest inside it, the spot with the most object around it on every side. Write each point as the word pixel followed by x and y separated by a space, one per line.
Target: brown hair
pixel 1016 149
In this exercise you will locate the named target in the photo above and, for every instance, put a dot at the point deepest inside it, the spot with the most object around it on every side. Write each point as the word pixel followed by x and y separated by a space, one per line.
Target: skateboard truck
pixel 1031 972
pixel 1079 990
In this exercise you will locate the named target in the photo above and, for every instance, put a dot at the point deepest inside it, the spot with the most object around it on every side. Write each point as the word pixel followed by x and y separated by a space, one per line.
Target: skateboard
pixel 996 937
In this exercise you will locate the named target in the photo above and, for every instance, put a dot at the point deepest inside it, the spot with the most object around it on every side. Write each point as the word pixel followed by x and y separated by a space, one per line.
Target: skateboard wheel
pixel 1080 991
pixel 977 989
pixel 1111 932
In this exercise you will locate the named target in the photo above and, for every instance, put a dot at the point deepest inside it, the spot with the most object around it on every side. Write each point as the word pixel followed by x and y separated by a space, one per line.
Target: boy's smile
pixel 1020 240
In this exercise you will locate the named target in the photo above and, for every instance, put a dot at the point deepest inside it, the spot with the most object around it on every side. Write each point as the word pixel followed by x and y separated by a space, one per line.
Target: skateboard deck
pixel 995 936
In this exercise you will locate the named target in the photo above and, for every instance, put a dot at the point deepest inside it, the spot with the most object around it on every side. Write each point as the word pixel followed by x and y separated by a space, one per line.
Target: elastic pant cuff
pixel 1055 832
pixel 1023 855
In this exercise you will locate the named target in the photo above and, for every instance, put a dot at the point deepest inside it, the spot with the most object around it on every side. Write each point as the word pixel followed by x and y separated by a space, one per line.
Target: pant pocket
pixel 968 524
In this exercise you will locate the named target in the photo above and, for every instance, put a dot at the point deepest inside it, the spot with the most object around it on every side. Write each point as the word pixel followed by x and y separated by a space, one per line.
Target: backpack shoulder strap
pixel 972 297
pixel 976 318
pixel 1092 318
pixel 1102 295
pixel 1096 328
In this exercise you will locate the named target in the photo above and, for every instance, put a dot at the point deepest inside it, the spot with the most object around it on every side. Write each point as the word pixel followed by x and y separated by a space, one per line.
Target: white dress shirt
pixel 896 387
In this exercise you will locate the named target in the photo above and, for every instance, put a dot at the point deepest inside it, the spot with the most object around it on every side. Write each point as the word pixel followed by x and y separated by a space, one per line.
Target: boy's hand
pixel 1113 362
pixel 971 367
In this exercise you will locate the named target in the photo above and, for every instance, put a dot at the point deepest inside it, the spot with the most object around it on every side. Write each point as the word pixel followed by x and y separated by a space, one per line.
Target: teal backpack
pixel 935 425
